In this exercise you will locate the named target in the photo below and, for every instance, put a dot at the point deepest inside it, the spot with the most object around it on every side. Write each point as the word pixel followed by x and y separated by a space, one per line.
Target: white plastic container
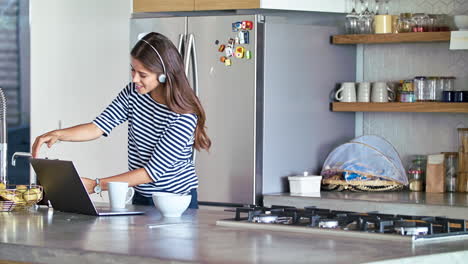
pixel 304 184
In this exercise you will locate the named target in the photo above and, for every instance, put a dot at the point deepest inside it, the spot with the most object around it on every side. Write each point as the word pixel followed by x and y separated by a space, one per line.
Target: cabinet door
pixel 220 5
pixel 162 5
pixel 335 6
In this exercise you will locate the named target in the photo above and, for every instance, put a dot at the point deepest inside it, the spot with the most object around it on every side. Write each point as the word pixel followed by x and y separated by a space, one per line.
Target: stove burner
pixel 412 231
pixel 421 227
pixel 328 223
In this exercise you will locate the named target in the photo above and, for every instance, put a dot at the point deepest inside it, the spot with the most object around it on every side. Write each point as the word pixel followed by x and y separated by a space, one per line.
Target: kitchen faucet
pixel 3 138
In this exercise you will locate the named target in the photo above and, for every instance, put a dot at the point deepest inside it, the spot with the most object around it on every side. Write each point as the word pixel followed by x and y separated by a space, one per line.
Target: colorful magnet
pixel 229 51
pixel 216 42
pixel 227 62
pixel 241 37
pixel 247 25
pixel 248 54
pixel 239 52
pixel 231 42
pixel 236 40
pixel 222 59
pixel 221 48
pixel 236 26
pixel 246 37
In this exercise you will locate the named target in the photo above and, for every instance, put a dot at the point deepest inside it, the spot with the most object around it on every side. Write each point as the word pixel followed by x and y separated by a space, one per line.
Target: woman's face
pixel 144 79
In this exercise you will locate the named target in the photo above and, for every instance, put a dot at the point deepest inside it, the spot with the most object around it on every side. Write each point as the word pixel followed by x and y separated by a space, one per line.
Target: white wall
pixel 79 62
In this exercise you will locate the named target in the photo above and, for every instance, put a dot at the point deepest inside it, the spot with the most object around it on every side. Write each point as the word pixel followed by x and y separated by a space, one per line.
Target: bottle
pixel 451 159
pixel 416 174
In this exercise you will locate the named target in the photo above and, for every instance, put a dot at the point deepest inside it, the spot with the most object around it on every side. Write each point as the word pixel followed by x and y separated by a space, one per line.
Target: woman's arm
pixel 84 132
pixel 134 177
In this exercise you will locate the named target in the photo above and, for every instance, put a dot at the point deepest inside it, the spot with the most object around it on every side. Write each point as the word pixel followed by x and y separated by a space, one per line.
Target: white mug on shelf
pixel 381 93
pixel 118 194
pixel 363 92
pixel 347 92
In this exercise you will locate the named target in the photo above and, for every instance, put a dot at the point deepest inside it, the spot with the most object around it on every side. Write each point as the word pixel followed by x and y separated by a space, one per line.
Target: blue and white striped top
pixel 159 140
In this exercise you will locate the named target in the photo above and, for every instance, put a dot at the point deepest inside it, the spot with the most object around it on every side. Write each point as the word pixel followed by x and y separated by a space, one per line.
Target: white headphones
pixel 161 77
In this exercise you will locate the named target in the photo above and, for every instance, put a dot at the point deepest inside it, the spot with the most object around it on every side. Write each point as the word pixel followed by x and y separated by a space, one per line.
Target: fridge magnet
pixel 236 26
pixel 241 37
pixel 231 42
pixel 216 42
pixel 221 48
pixel 239 52
pixel 227 62
pixel 229 51
pixel 246 37
pixel 222 59
pixel 248 54
pixel 236 40
pixel 247 25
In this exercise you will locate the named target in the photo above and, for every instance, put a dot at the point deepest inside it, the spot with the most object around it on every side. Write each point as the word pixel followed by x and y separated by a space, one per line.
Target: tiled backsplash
pixel 417 133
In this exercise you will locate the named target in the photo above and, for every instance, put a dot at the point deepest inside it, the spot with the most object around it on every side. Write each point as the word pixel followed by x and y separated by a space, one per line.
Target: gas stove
pixel 371 225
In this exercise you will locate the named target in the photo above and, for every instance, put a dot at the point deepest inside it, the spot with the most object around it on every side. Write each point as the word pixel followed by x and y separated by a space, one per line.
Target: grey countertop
pixel 45 236
pixel 454 205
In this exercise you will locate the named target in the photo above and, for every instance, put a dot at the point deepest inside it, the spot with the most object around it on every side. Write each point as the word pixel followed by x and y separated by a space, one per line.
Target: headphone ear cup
pixel 162 78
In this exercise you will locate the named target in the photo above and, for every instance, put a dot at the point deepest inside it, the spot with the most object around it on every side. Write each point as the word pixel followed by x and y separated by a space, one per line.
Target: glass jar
pixel 416 174
pixel 450 170
pixel 431 91
pixel 462 176
pixel 419 22
pixel 439 89
pixel 420 90
pixel 405 23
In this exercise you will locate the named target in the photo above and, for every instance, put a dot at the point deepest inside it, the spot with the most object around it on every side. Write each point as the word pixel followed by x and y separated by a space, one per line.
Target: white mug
pixel 380 93
pixel 363 92
pixel 347 92
pixel 117 194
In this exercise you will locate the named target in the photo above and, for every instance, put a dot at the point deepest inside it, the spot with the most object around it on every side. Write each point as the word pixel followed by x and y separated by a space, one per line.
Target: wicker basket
pixel 360 186
pixel 20 197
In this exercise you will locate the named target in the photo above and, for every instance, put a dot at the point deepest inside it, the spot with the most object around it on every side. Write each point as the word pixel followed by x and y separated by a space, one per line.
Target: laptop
pixel 65 190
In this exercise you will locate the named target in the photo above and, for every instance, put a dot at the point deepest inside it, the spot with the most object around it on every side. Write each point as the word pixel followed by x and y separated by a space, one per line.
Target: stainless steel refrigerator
pixel 268 115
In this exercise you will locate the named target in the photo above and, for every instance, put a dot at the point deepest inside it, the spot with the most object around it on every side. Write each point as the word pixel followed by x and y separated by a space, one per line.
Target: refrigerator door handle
pixel 192 51
pixel 187 54
pixel 180 45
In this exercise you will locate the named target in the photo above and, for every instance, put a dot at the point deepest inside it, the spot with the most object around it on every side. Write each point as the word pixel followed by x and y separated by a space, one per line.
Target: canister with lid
pixel 420 90
pixel 451 159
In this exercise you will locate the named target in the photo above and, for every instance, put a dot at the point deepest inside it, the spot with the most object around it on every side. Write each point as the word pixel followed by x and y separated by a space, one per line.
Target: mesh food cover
pixel 366 158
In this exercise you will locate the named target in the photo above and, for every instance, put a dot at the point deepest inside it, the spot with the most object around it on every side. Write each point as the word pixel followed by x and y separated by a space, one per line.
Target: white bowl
pixel 461 22
pixel 171 204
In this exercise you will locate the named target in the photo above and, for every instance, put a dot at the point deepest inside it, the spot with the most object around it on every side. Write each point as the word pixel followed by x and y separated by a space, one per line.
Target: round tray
pixel 360 186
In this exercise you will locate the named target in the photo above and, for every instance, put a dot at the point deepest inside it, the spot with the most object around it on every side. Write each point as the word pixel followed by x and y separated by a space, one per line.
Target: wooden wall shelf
pixel 392 38
pixel 422 107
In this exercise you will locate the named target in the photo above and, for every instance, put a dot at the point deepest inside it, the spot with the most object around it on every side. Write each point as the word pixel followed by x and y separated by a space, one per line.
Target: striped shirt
pixel 159 140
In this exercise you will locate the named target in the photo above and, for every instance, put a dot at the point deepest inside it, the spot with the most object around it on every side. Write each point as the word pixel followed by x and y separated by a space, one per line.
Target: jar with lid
pixel 451 159
pixel 419 22
pixel 420 90
pixel 416 174
pixel 439 88
pixel 431 91
pixel 405 23
pixel 462 176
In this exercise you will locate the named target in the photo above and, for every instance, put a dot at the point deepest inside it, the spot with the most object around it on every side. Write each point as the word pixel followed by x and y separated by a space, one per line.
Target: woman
pixel 165 122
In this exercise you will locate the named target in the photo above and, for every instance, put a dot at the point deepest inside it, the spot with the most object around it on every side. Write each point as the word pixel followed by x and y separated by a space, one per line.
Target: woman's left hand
pixel 89 184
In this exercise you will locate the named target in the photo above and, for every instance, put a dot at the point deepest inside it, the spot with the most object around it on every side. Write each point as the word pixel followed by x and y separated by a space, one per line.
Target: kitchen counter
pixel 45 236
pixel 453 205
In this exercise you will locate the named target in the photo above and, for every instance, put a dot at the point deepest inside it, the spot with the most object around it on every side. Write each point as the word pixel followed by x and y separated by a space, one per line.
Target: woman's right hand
pixel 48 138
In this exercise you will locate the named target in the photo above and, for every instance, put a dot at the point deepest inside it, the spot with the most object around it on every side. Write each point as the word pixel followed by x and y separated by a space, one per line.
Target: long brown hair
pixel 179 96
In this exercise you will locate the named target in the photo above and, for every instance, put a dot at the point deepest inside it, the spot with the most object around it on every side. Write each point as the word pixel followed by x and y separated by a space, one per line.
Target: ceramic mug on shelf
pixel 363 92
pixel 346 93
pixel 381 93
